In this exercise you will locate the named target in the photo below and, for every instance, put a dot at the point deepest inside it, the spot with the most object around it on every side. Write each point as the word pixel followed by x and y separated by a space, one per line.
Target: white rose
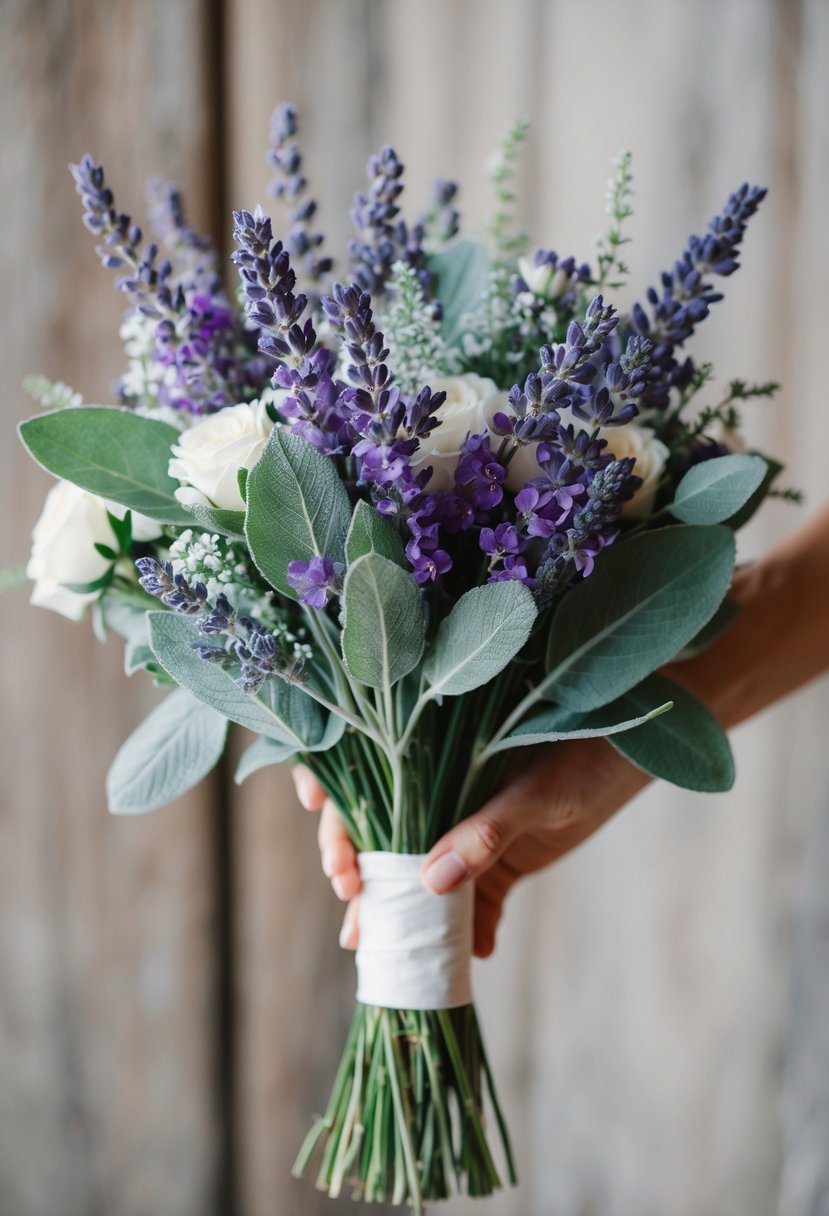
pixel 544 280
pixel 210 454
pixel 650 455
pixel 471 401
pixel 63 549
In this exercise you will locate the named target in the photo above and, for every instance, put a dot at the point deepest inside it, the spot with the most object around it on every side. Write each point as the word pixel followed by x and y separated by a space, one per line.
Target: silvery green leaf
pixel 297 508
pixel 714 490
pixel 169 753
pixel 383 623
pixel 260 754
pixel 370 533
pixel 559 723
pixel 485 629
pixel 281 711
pixel 687 747
pixel 217 519
pixel 645 600
pixel 110 452
pixel 463 277
pixel 720 623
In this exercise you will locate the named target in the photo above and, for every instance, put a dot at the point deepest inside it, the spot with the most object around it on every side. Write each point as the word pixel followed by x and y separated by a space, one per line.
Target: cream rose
pixel 632 439
pixel 650 455
pixel 63 546
pixel 471 401
pixel 544 280
pixel 210 454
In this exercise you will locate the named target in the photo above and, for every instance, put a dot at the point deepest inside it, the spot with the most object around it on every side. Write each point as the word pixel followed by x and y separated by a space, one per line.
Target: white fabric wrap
pixel 415 947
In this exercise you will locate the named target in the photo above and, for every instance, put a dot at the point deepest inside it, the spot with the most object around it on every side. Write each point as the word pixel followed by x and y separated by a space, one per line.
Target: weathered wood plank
pixel 107 963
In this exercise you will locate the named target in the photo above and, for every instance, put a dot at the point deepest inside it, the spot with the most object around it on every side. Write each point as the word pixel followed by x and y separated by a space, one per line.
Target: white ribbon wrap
pixel 415 947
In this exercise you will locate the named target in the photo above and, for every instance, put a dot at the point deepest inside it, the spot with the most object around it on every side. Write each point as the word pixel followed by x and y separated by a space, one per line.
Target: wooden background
pixel 172 1000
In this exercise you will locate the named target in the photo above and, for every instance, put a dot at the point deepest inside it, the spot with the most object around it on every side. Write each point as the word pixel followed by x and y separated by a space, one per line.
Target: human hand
pixel 564 795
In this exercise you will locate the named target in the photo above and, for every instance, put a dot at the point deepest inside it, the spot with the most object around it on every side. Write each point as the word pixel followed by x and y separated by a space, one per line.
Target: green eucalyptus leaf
pixel 383 622
pixel 645 600
pixel 558 723
pixel 462 271
pixel 485 629
pixel 370 533
pixel 714 490
pixel 170 752
pixel 217 519
pixel 297 508
pixel 113 453
pixel 687 747
pixel 280 711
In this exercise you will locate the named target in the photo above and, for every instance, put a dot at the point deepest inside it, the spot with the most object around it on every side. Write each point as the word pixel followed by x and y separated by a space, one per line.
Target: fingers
pixel 350 932
pixel 308 790
pixel 338 855
pixel 472 847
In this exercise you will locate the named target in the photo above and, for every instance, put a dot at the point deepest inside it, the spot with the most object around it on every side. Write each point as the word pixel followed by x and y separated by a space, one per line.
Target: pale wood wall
pixel 659 1004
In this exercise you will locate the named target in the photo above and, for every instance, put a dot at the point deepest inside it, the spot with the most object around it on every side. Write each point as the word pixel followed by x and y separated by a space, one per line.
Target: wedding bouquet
pixel 399 526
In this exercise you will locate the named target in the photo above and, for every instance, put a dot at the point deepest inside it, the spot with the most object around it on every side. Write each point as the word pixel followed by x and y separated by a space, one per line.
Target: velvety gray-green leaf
pixel 383 622
pixel 463 277
pixel 297 508
pixel 687 747
pixel 114 453
pixel 714 490
pixel 558 723
pixel 485 629
pixel 773 469
pixel 170 752
pixel 218 519
pixel 720 623
pixel 370 533
pixel 260 754
pixel 282 712
pixel 645 600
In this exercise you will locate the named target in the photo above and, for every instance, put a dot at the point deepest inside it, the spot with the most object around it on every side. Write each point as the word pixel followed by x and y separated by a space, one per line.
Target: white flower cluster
pixel 208 557
pixel 417 349
pixel 141 383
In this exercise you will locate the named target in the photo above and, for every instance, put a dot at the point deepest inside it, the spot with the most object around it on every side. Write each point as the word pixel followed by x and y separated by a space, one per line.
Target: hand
pixel 551 805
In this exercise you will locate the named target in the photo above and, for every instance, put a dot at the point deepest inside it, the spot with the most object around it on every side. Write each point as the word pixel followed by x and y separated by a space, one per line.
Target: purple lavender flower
pixel 157 578
pixel 479 475
pixel 687 294
pixel 383 237
pixel 289 184
pixel 315 581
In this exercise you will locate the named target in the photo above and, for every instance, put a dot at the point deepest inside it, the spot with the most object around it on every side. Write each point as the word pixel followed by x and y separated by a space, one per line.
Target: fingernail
pixel 327 861
pixel 446 873
pixel 303 790
pixel 339 887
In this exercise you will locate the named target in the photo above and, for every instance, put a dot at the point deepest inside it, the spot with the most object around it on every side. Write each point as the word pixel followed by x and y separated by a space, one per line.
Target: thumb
pixel 474 845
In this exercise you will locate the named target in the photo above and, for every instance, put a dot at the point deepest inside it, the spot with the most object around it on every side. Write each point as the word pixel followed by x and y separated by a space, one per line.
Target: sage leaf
pixel 297 508
pixel 647 597
pixel 485 629
pixel 369 533
pixel 556 723
pixel 280 711
pixel 170 752
pixel 714 490
pixel 218 519
pixel 462 272
pixel 261 754
pixel 687 747
pixel 110 452
pixel 383 622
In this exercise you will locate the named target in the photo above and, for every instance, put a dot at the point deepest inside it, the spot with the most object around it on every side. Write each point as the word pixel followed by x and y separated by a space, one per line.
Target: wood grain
pixel 107 959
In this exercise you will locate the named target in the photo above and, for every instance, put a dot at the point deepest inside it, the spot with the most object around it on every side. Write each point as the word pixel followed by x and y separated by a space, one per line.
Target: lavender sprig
pixel 687 294
pixel 383 236
pixel 290 185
